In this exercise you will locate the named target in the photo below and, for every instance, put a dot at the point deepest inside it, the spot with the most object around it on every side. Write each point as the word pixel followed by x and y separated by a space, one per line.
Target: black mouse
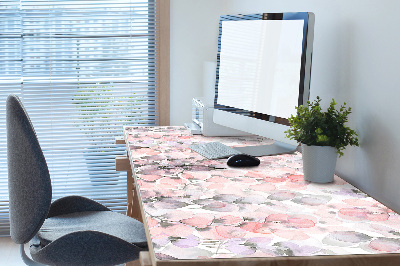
pixel 240 160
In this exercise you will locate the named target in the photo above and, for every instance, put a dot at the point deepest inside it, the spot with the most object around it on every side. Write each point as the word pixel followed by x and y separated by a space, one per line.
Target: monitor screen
pixel 263 71
pixel 260 64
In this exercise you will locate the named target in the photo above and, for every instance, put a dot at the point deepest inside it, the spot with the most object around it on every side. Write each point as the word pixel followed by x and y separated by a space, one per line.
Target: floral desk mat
pixel 196 210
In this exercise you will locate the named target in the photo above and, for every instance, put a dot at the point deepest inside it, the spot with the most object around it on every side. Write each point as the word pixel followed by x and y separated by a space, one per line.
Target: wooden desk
pixel 196 213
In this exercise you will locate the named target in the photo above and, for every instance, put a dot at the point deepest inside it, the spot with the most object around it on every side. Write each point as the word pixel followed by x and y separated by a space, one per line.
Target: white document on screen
pixel 260 63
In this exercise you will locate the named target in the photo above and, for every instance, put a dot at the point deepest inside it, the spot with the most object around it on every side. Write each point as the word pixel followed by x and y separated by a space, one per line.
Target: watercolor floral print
pixel 196 209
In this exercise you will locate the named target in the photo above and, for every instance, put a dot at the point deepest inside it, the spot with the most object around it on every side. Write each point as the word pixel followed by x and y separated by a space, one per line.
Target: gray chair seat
pixel 107 222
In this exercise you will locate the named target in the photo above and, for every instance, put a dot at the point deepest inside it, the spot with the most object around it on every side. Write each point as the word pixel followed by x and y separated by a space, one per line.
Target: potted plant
pixel 323 135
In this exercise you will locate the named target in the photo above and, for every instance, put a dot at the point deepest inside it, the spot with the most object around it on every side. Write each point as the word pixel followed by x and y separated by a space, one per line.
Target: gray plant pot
pixel 319 163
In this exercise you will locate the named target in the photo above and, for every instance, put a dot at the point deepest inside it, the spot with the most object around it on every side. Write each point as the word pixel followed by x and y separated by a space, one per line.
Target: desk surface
pixel 194 210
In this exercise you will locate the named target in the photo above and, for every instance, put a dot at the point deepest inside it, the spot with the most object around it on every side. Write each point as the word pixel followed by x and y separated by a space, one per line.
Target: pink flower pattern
pixel 194 209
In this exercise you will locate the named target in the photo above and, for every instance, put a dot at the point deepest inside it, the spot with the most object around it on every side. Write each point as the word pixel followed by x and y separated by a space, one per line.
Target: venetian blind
pixel 83 69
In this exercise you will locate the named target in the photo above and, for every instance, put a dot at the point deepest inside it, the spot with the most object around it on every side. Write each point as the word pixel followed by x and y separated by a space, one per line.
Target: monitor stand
pixel 275 148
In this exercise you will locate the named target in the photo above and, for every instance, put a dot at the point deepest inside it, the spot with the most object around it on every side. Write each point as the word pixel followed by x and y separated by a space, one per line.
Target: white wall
pixel 356 59
pixel 194 41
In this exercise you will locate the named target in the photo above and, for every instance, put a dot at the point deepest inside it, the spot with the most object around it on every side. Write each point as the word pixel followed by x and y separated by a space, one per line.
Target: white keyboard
pixel 213 150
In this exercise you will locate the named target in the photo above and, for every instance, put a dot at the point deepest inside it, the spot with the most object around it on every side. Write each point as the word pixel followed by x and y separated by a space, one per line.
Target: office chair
pixel 70 231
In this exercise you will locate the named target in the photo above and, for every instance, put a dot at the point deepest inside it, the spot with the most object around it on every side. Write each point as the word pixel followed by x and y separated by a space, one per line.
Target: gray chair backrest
pixel 29 183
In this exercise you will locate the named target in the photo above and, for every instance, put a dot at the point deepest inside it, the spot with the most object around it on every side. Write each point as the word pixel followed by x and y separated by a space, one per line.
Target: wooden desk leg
pixel 129 192
pixel 133 263
pixel 133 210
pixel 144 260
pixel 133 200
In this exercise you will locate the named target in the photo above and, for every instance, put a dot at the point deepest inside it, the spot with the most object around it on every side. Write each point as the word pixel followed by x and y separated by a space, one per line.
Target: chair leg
pixel 26 259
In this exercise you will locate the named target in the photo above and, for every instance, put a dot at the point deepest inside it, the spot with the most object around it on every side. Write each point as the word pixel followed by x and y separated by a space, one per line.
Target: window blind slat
pixel 83 69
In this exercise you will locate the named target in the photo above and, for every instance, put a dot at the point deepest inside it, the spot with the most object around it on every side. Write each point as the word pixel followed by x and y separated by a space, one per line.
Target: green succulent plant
pixel 312 126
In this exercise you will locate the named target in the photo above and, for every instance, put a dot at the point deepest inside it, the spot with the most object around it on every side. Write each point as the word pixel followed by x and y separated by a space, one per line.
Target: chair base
pixel 26 259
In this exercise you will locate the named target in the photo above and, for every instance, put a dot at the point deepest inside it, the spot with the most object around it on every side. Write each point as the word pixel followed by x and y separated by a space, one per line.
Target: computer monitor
pixel 263 73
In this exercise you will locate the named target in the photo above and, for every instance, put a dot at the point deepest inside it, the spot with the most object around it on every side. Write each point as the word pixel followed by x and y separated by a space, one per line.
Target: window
pixel 83 69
